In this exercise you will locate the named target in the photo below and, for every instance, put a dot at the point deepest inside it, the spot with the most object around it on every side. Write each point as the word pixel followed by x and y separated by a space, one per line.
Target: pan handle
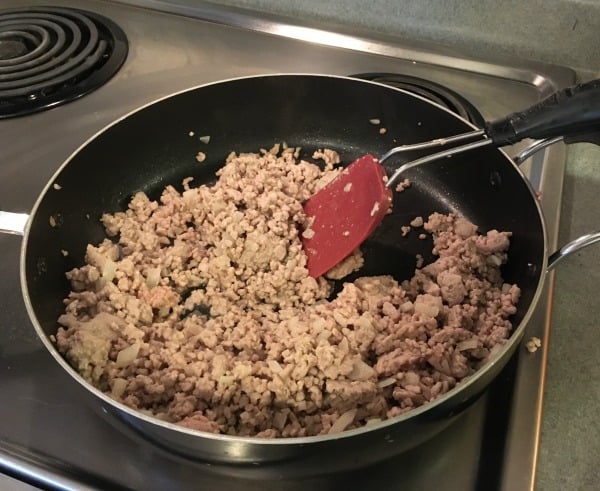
pixel 573 113
pixel 13 223
pixel 572 247
pixel 534 148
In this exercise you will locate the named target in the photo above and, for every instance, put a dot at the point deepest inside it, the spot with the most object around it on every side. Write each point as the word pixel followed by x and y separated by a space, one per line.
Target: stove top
pixel 50 56
pixel 432 91
pixel 52 438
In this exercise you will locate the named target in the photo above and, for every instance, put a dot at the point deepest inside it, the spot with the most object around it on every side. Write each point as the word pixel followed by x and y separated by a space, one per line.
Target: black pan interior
pixel 153 147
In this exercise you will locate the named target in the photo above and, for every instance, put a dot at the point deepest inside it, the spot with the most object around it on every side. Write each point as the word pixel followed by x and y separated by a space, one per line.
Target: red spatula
pixel 349 208
pixel 345 213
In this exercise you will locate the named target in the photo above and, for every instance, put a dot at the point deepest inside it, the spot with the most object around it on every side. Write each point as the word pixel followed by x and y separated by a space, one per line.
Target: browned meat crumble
pixel 202 313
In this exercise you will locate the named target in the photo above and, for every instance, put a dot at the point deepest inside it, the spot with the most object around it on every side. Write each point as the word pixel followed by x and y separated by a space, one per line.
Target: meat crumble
pixel 198 309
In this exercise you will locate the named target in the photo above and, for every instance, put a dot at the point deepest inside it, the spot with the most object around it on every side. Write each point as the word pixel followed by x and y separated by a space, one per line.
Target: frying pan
pixel 151 148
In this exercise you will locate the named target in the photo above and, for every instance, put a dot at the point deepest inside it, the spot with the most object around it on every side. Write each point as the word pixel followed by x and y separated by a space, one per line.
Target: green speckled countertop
pixel 569 456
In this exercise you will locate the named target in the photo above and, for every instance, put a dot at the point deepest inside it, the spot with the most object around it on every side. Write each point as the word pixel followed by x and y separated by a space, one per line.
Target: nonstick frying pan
pixel 151 148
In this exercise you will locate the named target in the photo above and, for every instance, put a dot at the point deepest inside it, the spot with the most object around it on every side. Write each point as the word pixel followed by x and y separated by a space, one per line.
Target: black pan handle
pixel 573 112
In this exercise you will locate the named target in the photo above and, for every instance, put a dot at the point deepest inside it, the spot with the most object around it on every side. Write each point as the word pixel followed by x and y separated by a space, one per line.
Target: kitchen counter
pixel 561 32
pixel 570 441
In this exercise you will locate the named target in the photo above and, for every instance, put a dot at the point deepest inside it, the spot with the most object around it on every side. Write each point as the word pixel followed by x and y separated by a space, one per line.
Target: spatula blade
pixel 345 212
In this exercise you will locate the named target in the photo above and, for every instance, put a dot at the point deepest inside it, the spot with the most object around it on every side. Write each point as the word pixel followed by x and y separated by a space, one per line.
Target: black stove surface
pixel 51 55
pixel 440 94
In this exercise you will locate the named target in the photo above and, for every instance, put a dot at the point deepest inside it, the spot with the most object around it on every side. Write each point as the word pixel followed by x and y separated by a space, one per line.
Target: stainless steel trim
pixel 277 25
pixel 572 247
pixel 523 432
pixel 535 147
pixel 46 472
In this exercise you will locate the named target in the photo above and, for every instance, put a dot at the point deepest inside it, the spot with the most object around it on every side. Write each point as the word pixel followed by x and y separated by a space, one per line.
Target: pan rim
pixel 505 351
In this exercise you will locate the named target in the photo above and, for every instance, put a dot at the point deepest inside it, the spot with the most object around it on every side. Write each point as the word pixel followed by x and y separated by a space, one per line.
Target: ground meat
pixel 417 222
pixel 200 310
pixel 402 185
pixel 533 344
pixel 352 263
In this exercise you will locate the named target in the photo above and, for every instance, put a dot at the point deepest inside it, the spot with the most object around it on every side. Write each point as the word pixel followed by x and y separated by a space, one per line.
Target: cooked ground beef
pixel 201 311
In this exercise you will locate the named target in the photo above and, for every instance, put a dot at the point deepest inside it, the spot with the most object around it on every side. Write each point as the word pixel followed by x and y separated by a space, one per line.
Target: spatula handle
pixel 573 112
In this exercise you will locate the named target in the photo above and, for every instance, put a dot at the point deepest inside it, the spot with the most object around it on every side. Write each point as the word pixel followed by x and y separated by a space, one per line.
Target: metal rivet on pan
pixel 495 180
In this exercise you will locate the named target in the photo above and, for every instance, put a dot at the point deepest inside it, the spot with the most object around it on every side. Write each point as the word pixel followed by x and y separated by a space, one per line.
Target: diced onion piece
pixel 118 387
pixel 226 380
pixel 341 319
pixel 375 209
pixel 279 420
pixel 309 233
pixel 204 139
pixel 494 260
pixel 146 412
pixel 343 422
pixel 495 350
pixel 412 378
pixel 386 382
pixel 126 356
pixel 471 343
pixel 190 197
pixel 274 366
pixel 153 277
pixel 373 421
pixel 161 416
pixel 426 309
pixel 323 335
pixel 361 370
pixel 109 268
pixel 407 306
